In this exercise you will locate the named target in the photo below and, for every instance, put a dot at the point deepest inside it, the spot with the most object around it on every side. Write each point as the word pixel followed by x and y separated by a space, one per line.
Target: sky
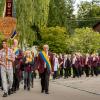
pixel 77 3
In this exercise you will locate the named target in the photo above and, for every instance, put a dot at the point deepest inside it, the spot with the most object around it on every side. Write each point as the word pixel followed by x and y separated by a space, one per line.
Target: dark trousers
pixel 66 72
pixel 83 70
pixel 45 80
pixel 87 70
pixel 75 71
pixel 15 82
pixel 16 78
pixel 34 74
pixel 27 80
pixel 69 71
pixel 94 71
pixel 32 79
pixel 80 71
pixel 98 65
pixel 0 83
pixel 55 75
pixel 61 72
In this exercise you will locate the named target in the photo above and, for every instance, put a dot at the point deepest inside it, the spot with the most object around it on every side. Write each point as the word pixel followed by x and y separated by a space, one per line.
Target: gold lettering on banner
pixel 9 4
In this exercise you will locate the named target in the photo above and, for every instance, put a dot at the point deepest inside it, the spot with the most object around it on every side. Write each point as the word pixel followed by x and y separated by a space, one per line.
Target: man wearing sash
pixel 6 62
pixel 17 65
pixel 45 61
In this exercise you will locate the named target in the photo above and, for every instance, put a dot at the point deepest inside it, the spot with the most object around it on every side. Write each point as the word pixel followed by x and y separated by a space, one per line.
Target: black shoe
pixel 42 91
pixel 65 77
pixel 5 95
pixel 14 90
pixel 9 92
pixel 24 87
pixel 28 88
pixel 46 92
pixel 73 76
pixel 2 88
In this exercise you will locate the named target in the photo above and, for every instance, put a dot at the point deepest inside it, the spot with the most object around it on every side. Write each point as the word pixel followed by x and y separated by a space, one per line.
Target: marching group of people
pixel 76 65
pixel 17 65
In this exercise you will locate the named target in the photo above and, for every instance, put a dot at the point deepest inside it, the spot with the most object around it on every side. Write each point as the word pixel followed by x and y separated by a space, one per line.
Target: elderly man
pixel 6 63
pixel 45 63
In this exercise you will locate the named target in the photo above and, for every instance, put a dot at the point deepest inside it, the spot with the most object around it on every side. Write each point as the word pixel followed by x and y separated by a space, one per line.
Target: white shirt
pixel 86 60
pixel 74 60
pixel 94 58
pixel 10 54
pixel 56 64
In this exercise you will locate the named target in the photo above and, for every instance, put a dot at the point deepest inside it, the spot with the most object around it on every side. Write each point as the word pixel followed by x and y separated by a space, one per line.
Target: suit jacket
pixel 61 60
pixel 95 62
pixel 99 59
pixel 28 67
pixel 89 63
pixel 82 59
pixel 41 63
pixel 78 63
pixel 67 63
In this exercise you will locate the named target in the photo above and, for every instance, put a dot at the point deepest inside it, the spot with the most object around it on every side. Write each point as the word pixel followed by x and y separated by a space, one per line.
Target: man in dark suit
pixel 43 69
pixel 87 64
pixel 61 61
pixel 94 67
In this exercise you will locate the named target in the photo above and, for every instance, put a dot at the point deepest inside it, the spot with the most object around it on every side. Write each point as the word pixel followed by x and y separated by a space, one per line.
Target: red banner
pixel 9 4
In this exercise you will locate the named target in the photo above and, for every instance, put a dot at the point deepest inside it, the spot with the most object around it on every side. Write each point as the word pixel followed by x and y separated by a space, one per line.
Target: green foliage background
pixel 53 22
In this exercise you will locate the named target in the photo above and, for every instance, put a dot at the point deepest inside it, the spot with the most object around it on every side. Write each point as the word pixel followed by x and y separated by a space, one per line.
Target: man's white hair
pixel 46 46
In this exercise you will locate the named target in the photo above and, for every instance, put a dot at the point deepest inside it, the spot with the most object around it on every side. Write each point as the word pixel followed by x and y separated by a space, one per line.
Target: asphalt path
pixel 61 89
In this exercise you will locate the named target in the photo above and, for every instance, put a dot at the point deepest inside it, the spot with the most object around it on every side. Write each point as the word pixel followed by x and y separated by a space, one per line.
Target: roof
pixel 97 24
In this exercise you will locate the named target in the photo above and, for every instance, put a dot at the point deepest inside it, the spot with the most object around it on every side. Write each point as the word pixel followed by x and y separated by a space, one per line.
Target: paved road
pixel 62 89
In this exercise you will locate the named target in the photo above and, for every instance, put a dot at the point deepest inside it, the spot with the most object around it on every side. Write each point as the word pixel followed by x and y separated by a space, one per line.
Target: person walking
pixel 45 61
pixel 7 58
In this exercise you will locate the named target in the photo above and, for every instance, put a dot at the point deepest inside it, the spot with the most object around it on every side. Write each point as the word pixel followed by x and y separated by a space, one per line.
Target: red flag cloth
pixel 9 6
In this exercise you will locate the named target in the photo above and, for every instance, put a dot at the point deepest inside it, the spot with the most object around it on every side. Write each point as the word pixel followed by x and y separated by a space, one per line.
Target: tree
pixel 40 10
pixel 24 15
pixel 88 14
pixel 85 40
pixel 2 4
pixel 61 14
pixel 59 11
pixel 1 38
pixel 97 2
pixel 30 12
pixel 55 37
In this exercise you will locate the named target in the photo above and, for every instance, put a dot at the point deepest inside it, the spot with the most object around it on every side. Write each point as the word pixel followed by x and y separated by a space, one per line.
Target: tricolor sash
pixel 46 60
pixel 16 51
